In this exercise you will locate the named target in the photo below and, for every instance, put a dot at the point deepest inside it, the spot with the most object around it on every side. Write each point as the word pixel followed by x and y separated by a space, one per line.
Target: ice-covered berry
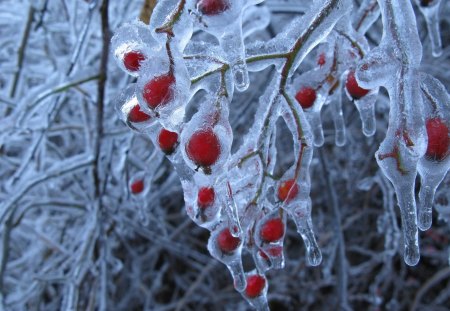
pixel 321 60
pixel 255 285
pixel 226 242
pixel 203 147
pixel 272 230
pixel 213 7
pixel 288 190
pixel 306 97
pixel 136 115
pixel 137 186
pixel 205 197
pixel 167 141
pixel 438 139
pixel 132 60
pixel 159 91
pixel 355 91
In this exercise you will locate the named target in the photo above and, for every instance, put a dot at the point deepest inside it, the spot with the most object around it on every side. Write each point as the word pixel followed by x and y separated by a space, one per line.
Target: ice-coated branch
pixel 400 51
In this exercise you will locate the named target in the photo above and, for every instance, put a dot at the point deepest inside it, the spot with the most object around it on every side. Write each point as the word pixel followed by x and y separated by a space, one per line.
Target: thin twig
pixel 438 277
pixel 342 269
pixel 21 51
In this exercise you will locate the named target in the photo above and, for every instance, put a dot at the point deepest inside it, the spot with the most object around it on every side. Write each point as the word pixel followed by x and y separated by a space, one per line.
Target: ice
pixel 367 14
pixel 231 256
pixel 366 108
pixel 230 37
pixel 202 57
pixel 310 30
pixel 435 164
pixel 400 51
pixel 214 121
pixel 313 27
pixel 256 291
pixel 350 53
pixel 232 41
pixel 130 112
pixel 232 211
pixel 272 227
pixel 171 23
pixel 431 13
pixel 398 159
pixel 134 37
pixel 163 90
pixel 302 219
pixel 254 18
pixel 338 118
pixel 338 56
pixel 390 228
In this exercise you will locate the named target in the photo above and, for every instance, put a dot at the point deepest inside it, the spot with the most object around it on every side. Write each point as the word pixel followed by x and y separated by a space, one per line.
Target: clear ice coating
pixel 185 85
pixel 400 51
pixel 434 165
pixel 223 19
pixel 367 14
pixel 226 248
pixel 430 10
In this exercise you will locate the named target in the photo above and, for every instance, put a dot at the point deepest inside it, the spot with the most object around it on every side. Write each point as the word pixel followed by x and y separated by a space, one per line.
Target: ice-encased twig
pixel 400 49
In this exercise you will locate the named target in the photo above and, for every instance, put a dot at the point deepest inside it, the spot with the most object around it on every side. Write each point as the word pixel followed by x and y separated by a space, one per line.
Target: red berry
pixel 272 230
pixel 355 91
pixel 438 139
pixel 321 60
pixel 263 255
pixel 203 148
pixel 137 115
pixel 288 190
pixel 167 141
pixel 226 242
pixel 132 60
pixel 158 91
pixel 306 97
pixel 275 251
pixel 255 285
pixel 205 197
pixel 213 7
pixel 137 186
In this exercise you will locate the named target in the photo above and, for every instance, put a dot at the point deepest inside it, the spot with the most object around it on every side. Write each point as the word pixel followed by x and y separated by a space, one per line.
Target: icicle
pixel 233 45
pixel 366 108
pixel 338 118
pixel 317 129
pixel 430 10
pixel 434 165
pixel 226 248
pixel 398 155
pixel 304 228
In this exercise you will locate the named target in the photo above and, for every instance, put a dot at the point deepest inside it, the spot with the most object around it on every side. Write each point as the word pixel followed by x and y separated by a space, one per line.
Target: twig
pixel 211 265
pixel 21 51
pixel 342 260
pixel 62 168
pixel 97 168
pixel 438 277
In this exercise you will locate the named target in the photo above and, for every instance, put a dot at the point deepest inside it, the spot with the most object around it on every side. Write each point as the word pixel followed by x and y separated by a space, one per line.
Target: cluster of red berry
pixel 202 147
